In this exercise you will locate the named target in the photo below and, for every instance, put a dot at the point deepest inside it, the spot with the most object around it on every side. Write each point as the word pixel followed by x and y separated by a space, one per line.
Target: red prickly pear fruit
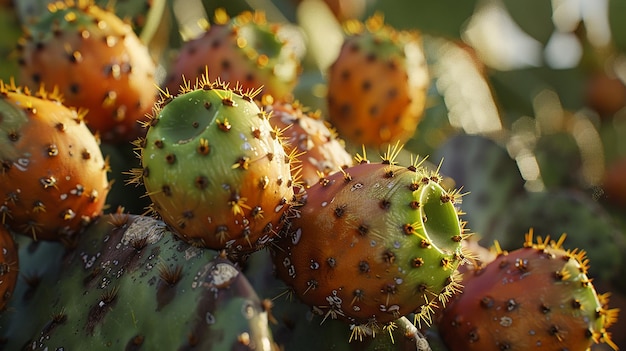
pixel 373 243
pixel 53 178
pixel 215 168
pixel 9 266
pixel 377 85
pixel 97 62
pixel 317 149
pixel 245 50
pixel 538 297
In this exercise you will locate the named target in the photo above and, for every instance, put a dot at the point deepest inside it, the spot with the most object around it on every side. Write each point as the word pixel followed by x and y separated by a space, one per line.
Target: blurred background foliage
pixel 526 104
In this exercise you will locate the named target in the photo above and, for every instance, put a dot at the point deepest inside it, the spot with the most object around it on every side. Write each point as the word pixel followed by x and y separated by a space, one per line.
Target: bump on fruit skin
pixel 96 61
pixel 377 85
pixel 53 179
pixel 245 50
pixel 215 168
pixel 537 297
pixel 317 148
pixel 9 267
pixel 373 243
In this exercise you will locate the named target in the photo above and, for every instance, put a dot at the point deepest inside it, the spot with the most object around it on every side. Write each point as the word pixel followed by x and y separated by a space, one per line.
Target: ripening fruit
pixel 215 168
pixel 538 297
pixel 373 243
pixel 246 50
pixel 318 150
pixel 377 85
pixel 97 62
pixel 53 178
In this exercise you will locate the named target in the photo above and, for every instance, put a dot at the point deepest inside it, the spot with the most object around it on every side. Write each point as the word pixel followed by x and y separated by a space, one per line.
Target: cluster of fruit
pixel 232 166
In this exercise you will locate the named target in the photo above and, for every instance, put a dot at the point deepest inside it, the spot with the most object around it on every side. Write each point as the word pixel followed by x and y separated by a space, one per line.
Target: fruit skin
pixel 9 267
pixel 372 243
pixel 245 50
pixel 53 179
pixel 131 285
pixel 377 85
pixel 318 150
pixel 97 62
pixel 537 297
pixel 215 168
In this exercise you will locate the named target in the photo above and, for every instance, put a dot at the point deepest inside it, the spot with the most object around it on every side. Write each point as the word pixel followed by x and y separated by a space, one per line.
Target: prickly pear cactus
pixel 215 168
pixel 141 288
pixel 537 297
pixel 9 267
pixel 377 85
pixel 373 243
pixel 53 177
pixel 96 61
pixel 318 149
pixel 245 49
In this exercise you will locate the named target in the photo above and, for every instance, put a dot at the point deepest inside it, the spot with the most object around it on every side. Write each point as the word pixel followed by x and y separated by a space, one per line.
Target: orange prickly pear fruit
pixel 377 85
pixel 313 141
pixel 246 50
pixel 97 62
pixel 53 179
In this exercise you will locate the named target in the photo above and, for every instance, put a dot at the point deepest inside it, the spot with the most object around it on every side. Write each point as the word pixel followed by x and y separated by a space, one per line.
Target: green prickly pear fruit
pixel 373 243
pixel 317 148
pixel 97 62
pixel 53 179
pixel 215 168
pixel 245 49
pixel 537 297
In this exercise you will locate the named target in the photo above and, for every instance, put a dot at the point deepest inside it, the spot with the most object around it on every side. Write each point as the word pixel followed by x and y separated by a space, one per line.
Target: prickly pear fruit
pixel 537 297
pixel 9 266
pixel 377 85
pixel 141 288
pixel 53 177
pixel 215 168
pixel 373 243
pixel 245 49
pixel 96 61
pixel 313 140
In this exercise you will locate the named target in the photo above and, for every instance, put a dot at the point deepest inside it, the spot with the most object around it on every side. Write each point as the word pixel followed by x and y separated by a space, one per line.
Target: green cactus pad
pixel 130 285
